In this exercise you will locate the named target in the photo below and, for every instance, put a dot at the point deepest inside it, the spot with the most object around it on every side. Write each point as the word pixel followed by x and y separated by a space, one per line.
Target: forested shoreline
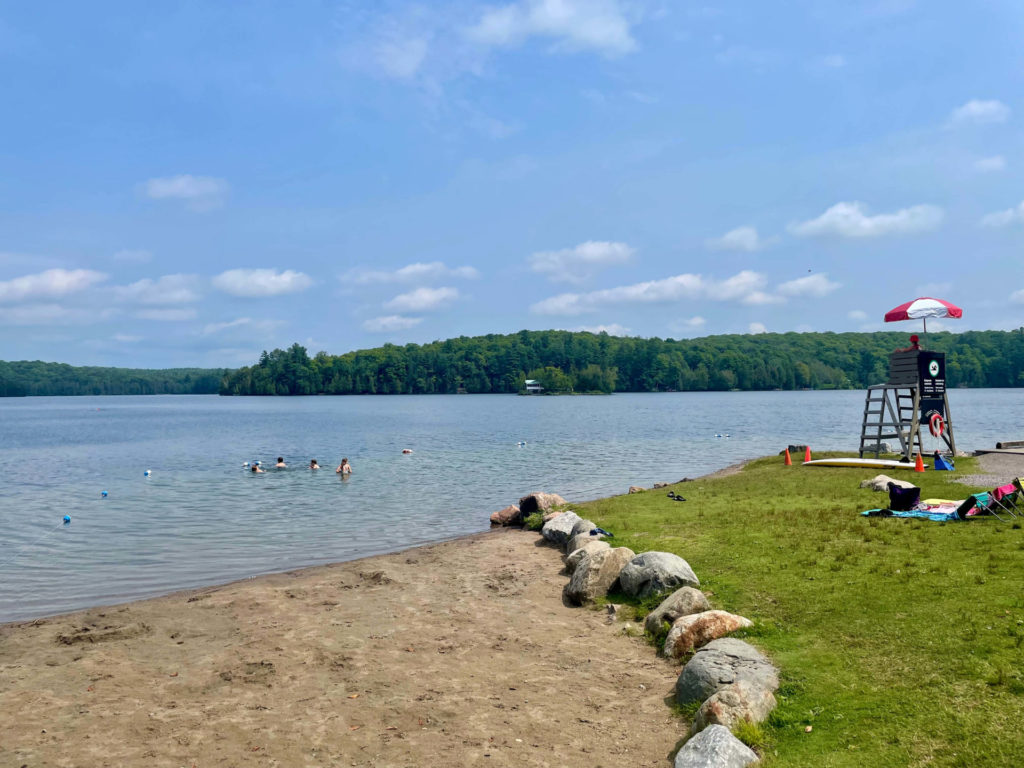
pixel 34 377
pixel 566 361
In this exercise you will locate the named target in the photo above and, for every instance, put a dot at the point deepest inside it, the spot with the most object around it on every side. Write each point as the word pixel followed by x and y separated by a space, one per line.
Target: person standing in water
pixel 313 464
pixel 256 469
pixel 344 468
pixel 280 463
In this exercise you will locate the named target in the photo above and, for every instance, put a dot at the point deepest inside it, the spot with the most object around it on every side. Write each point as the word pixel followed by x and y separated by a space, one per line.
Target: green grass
pixel 900 641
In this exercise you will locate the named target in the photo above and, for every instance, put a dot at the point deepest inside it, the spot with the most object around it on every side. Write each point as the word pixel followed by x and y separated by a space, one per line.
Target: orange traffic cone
pixel 919 465
pixel 789 461
pixel 807 453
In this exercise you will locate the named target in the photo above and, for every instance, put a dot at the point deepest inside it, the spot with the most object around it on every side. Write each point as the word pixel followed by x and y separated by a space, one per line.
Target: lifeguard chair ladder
pixel 895 410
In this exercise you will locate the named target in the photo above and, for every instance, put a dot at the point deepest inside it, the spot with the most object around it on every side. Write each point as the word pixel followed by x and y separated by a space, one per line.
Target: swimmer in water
pixel 256 469
pixel 344 468
pixel 280 463
pixel 313 464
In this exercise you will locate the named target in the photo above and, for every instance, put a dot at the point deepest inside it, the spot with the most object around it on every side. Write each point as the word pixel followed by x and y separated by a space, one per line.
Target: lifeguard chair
pixel 914 395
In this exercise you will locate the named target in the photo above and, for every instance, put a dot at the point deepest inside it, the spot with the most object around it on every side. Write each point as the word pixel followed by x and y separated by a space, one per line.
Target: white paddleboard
pixel 862 463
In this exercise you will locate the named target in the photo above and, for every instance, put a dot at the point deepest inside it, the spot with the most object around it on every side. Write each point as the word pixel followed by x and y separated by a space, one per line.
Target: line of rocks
pixel 733 680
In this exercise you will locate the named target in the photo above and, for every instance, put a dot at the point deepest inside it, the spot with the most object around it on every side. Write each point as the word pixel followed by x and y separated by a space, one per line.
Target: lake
pixel 201 518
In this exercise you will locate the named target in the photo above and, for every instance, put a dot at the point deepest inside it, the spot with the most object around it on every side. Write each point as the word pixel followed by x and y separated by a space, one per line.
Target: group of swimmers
pixel 343 469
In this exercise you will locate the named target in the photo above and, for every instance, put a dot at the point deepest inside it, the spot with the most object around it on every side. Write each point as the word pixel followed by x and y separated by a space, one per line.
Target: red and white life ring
pixel 936 425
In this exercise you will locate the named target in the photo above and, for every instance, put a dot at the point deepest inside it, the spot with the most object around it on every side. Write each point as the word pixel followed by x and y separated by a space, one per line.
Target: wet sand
pixel 457 654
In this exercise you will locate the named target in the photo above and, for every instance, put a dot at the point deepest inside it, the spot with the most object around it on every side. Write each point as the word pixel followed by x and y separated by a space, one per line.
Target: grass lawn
pixel 900 641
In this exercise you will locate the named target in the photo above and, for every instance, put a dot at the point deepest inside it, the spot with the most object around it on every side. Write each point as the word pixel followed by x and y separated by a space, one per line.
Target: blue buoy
pixel 147 473
pixel 103 494
pixel 521 443
pixel 67 519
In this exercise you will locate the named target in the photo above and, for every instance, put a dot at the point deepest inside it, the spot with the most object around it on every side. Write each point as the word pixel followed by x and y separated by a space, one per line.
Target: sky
pixel 189 183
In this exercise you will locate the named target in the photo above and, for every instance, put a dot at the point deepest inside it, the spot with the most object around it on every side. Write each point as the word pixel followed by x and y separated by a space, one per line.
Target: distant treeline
pixel 564 361
pixel 24 377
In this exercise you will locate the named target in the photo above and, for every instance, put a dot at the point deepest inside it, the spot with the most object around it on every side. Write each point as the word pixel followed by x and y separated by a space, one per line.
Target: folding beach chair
pixel 1007 499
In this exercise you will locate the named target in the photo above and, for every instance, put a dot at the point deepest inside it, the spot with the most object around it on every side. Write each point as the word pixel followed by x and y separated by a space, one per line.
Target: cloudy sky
pixel 189 183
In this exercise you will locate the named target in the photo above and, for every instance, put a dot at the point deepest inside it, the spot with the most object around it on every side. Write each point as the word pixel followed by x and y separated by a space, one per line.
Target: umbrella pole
pixel 925 321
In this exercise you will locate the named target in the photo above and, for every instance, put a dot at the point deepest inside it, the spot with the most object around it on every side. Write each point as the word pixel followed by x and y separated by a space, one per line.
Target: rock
pixel 654 572
pixel 636 489
pixel 540 502
pixel 715 747
pixel 691 632
pixel 579 540
pixel 613 612
pixel 583 526
pixel 881 483
pixel 575 558
pixel 595 574
pixel 742 700
pixel 877 448
pixel 558 529
pixel 552 515
pixel 682 602
pixel 507 516
pixel 660 485
pixel 720 663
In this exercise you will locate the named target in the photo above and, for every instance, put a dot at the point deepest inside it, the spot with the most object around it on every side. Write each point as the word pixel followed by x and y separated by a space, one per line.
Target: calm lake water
pixel 201 518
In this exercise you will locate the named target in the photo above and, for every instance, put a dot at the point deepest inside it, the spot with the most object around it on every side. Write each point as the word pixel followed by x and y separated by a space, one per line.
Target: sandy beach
pixel 460 653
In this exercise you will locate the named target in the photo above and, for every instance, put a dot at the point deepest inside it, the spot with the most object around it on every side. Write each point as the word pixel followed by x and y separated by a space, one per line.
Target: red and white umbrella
pixel 922 309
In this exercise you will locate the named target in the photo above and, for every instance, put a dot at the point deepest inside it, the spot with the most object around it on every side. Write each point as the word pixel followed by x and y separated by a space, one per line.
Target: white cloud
pixel 201 193
pixel 422 299
pixel 246 324
pixel 411 273
pixel 576 265
pixel 744 287
pixel 167 315
pixel 390 323
pixel 740 239
pixel 981 111
pixel 49 284
pixel 852 220
pixel 50 314
pixel 399 56
pixel 137 256
pixel 1004 218
pixel 573 25
pixel 857 314
pixel 612 329
pixel 757 328
pixel 813 285
pixel 990 164
pixel 833 61
pixel 169 289
pixel 252 283
pixel 934 289
pixel 124 338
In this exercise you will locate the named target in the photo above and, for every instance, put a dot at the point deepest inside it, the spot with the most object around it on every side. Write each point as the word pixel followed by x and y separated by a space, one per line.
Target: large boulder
pixel 595 574
pixel 742 700
pixel 682 602
pixel 655 572
pixel 881 483
pixel 579 540
pixel 559 529
pixel 508 516
pixel 636 489
pixel 699 629
pixel 721 663
pixel 540 502
pixel 583 526
pixel 582 553
pixel 715 747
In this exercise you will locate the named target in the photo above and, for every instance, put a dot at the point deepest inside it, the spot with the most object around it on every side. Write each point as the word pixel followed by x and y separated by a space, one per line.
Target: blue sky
pixel 190 183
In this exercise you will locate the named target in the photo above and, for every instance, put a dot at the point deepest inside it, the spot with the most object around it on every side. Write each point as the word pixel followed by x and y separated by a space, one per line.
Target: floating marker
pixel 103 494
pixel 67 519
pixel 245 463
pixel 521 443
pixel 147 473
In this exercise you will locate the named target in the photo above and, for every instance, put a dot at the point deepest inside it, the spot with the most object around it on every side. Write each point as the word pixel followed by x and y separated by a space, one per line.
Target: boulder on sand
pixel 579 540
pixel 558 529
pixel 682 602
pixel 654 572
pixel 636 489
pixel 540 502
pixel 715 747
pixel 582 553
pixel 699 629
pixel 595 574
pixel 510 515
pixel 742 700
pixel 720 663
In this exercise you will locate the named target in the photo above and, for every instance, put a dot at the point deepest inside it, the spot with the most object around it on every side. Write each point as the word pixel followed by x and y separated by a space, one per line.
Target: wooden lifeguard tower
pixel 915 394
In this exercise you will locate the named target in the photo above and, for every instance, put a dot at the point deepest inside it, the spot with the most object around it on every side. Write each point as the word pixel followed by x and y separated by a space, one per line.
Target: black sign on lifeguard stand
pixel 914 395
